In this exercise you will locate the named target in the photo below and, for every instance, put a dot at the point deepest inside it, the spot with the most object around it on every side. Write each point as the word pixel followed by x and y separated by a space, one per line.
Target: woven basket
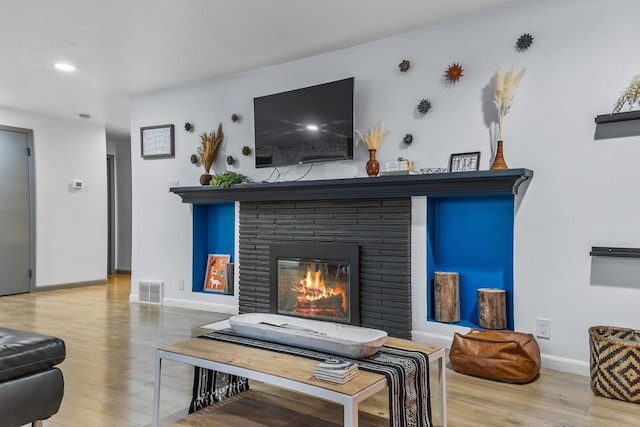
pixel 615 363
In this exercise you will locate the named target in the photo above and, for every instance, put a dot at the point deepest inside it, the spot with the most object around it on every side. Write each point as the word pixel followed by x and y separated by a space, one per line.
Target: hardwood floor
pixel 110 344
pixel 109 370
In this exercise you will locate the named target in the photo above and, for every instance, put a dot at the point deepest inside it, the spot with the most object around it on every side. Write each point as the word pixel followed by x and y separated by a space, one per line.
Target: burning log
pixel 333 302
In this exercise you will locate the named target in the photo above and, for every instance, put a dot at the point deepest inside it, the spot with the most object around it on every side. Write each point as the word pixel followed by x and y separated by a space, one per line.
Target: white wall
pixel 71 225
pixel 583 192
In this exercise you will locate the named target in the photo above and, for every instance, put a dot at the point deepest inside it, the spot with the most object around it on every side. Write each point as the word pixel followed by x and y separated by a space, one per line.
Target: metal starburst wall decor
pixel 453 73
pixel 524 42
pixel 424 106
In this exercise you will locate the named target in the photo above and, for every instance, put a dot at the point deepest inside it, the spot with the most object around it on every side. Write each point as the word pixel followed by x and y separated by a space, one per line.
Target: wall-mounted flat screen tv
pixel 308 125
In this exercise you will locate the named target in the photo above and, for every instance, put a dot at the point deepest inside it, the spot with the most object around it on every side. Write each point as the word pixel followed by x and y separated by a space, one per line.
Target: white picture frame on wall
pixel 157 141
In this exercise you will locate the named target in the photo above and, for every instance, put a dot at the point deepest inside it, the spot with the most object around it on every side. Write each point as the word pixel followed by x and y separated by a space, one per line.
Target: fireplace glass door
pixel 316 287
pixel 312 288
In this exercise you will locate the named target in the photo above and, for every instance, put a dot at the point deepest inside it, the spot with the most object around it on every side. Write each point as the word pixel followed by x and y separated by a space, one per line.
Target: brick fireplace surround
pixel 382 229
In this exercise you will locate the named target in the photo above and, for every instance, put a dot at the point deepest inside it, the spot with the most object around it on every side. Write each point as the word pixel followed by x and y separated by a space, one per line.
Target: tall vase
pixel 498 161
pixel 373 166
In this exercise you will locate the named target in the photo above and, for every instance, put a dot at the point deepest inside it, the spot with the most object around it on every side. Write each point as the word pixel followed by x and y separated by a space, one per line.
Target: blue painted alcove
pixel 213 233
pixel 474 237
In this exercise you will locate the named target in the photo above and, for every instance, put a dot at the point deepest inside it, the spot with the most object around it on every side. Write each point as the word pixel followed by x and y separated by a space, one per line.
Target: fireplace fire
pixel 312 295
pixel 315 281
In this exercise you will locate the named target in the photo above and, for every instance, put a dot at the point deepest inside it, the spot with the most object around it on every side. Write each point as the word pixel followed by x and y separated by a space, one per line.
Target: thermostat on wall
pixel 76 184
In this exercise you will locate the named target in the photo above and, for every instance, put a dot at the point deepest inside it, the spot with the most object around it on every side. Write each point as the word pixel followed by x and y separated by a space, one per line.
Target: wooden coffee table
pixel 287 371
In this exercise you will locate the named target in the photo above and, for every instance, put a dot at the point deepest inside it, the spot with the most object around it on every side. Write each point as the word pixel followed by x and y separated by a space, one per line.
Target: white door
pixel 15 214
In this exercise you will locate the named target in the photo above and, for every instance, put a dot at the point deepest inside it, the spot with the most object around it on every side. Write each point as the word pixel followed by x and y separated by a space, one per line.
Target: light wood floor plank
pixel 109 371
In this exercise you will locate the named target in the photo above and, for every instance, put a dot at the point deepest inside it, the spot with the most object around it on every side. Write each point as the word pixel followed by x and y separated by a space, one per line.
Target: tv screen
pixel 308 125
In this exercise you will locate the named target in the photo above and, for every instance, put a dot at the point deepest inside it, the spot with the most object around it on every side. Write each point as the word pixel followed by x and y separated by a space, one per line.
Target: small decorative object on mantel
pixel 424 106
pixel 208 151
pixel 429 171
pixel 408 139
pixel 400 167
pixel 235 117
pixel 373 139
pixel 524 42
pixel 230 160
pixel 228 178
pixel 188 127
pixel 404 65
pixel 464 162
pixel 506 85
pixel 194 159
pixel 453 73
pixel 630 96
pixel 246 150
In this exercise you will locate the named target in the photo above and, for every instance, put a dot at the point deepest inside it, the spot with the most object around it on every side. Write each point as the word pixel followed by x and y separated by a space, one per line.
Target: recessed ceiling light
pixel 312 127
pixel 61 66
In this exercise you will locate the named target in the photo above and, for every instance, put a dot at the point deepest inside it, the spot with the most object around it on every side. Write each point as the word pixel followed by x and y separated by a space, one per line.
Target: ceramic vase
pixel 373 166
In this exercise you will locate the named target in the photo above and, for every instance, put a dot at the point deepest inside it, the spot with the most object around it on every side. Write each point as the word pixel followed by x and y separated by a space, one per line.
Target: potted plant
pixel 208 151
pixel 228 178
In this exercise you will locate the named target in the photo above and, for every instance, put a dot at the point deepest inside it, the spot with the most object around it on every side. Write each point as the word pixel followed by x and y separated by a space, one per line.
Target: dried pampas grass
pixel 209 146
pixel 630 96
pixel 506 85
pixel 374 138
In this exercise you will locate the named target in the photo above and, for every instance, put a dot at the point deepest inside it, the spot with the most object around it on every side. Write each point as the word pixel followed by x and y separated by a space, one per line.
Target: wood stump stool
pixel 446 297
pixel 492 308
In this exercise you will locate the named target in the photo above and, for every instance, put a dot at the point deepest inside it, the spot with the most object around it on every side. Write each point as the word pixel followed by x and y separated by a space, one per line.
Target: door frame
pixel 32 202
pixel 111 214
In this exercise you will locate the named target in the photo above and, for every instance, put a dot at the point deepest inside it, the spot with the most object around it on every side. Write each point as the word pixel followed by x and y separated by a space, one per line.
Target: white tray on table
pixel 335 338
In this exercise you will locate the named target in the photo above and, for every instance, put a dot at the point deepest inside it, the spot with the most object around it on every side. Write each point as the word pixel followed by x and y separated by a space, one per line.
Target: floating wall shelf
pixel 618 117
pixel 615 252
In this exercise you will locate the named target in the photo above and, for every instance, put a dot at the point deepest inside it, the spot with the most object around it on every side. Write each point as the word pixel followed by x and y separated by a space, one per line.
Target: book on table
pixel 336 370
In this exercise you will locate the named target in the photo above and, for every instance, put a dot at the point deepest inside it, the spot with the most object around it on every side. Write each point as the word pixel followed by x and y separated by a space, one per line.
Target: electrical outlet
pixel 543 328
pixel 181 284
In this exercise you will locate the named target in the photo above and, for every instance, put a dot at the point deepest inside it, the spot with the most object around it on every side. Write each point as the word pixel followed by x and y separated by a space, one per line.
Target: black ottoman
pixel 31 389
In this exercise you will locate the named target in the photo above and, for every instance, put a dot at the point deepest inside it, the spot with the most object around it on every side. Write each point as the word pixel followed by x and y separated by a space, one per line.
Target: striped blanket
pixel 407 374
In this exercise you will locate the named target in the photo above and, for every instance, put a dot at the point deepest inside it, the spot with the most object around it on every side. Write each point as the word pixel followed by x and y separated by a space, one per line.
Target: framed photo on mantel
pixel 464 162
pixel 157 142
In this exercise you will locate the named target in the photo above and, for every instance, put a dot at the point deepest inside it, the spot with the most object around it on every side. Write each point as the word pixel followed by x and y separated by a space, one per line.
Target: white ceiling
pixel 125 47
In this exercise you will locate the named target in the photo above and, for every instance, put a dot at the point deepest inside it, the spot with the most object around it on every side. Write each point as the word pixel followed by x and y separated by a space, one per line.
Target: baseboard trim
pixel 71 285
pixel 122 271
pixel 193 305
pixel 198 305
pixel 571 366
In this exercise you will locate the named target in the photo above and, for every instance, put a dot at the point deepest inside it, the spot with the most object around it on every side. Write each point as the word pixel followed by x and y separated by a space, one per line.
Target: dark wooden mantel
pixel 444 184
